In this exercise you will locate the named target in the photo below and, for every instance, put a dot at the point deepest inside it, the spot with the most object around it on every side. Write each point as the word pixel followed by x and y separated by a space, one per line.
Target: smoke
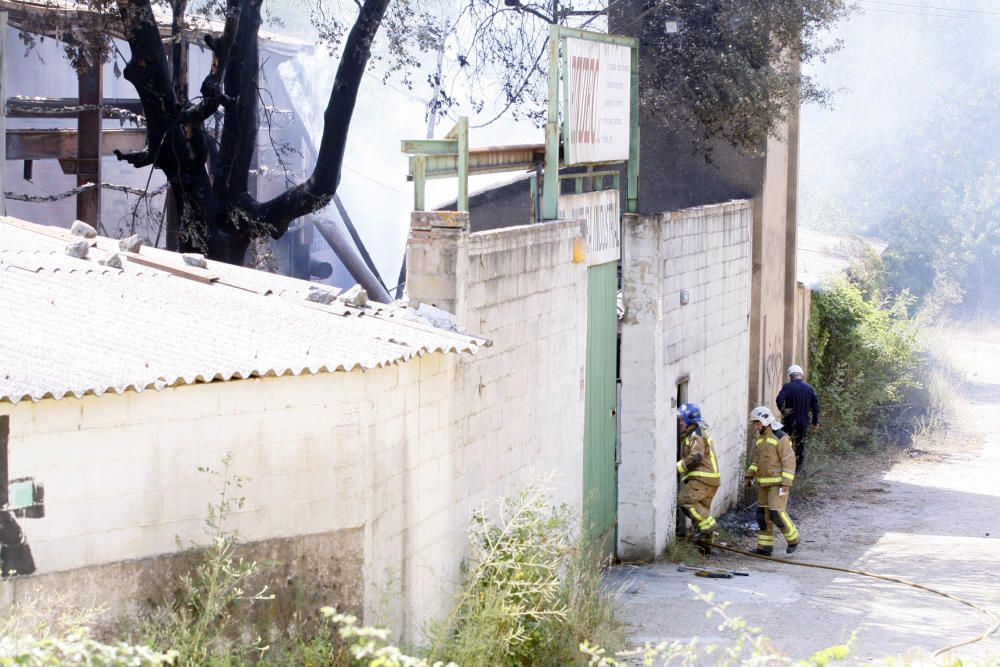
pixel 908 151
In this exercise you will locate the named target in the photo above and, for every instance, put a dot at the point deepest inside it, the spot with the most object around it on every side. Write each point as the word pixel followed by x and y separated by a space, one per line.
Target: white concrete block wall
pixel 706 252
pixel 513 415
pixel 643 398
pixel 524 396
pixel 404 452
pixel 373 450
pixel 412 547
pixel 121 471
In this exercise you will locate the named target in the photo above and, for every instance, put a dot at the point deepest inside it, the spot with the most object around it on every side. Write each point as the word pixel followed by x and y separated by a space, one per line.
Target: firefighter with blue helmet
pixel 699 471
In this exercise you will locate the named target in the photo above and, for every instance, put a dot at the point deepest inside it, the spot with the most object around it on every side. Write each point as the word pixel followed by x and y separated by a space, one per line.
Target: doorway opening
pixel 680 399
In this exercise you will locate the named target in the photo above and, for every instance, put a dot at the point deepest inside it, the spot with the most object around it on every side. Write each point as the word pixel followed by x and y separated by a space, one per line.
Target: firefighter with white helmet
pixel 699 472
pixel 773 467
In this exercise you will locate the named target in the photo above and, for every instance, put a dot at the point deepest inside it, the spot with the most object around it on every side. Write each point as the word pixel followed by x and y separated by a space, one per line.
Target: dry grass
pixel 682 550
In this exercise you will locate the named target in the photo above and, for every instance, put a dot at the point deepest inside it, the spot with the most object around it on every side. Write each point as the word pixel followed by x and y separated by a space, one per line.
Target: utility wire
pixel 866 8
pixel 369 178
pixel 943 9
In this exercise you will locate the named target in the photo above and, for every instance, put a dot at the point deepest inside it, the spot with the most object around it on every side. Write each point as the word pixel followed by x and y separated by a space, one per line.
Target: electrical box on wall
pixel 26 498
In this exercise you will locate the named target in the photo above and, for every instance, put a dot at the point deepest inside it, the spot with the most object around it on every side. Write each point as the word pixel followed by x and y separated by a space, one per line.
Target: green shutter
pixel 600 477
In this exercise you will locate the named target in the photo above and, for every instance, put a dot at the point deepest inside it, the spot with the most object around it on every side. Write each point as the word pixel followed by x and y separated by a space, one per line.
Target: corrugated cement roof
pixel 76 327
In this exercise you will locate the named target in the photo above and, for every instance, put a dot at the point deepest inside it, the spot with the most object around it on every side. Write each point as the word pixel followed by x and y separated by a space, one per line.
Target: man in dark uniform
pixel 799 408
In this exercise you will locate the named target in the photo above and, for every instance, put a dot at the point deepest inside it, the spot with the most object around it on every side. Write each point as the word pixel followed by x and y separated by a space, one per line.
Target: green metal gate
pixel 600 477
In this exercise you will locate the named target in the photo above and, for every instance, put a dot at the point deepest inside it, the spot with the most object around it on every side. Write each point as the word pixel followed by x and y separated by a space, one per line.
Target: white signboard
pixel 601 213
pixel 599 83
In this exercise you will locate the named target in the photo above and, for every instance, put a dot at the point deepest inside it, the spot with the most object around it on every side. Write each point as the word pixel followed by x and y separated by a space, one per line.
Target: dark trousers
pixel 798 434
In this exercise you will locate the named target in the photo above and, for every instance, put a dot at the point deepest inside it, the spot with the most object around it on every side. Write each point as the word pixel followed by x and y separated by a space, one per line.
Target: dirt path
pixel 933 518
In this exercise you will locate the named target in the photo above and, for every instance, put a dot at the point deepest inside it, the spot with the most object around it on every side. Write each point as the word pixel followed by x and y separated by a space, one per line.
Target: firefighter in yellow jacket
pixel 699 471
pixel 773 467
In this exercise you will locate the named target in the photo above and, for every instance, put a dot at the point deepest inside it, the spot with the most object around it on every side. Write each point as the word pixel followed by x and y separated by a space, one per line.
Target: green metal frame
pixel 601 175
pixel 440 158
pixel 451 156
pixel 557 67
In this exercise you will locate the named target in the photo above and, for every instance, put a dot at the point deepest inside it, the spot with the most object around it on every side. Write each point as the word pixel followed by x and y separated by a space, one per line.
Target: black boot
pixel 790 549
pixel 762 551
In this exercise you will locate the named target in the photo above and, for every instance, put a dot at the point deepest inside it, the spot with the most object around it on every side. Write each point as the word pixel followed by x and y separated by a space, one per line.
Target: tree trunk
pixel 208 174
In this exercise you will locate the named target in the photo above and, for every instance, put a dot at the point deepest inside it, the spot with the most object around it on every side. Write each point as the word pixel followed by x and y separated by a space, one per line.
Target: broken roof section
pixel 195 25
pixel 76 326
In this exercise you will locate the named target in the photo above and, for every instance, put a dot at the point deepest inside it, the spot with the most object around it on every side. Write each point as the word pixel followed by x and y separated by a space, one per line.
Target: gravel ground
pixel 931 516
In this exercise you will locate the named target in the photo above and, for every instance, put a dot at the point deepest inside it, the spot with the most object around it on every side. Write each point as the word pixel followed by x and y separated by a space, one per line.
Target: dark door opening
pixel 681 399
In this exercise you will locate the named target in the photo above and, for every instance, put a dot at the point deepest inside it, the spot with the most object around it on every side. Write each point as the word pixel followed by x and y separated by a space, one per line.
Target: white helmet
pixel 764 415
pixel 795 369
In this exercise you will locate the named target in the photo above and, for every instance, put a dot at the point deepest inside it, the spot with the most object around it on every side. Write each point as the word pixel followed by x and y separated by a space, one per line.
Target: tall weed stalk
pixel 203 622
pixel 532 590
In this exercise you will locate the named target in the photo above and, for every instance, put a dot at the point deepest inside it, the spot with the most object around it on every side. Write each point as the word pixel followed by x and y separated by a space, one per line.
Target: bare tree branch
pixel 319 189
pixel 212 96
pixel 239 128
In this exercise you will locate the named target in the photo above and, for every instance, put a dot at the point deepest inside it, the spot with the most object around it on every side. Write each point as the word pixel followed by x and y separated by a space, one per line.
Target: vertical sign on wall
pixel 601 211
pixel 598 101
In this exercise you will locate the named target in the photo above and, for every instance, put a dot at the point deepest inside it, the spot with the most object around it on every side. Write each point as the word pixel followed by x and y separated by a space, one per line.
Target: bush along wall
pixel 864 357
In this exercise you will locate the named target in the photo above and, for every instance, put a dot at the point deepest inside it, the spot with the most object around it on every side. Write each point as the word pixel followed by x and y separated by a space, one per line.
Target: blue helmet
pixel 690 413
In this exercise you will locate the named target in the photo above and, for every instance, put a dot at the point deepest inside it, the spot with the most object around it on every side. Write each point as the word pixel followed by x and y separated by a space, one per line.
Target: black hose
pixel 993 618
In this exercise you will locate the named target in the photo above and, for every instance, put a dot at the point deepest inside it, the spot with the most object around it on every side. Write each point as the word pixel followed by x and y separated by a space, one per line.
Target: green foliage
pixel 370 647
pixel 726 73
pixel 532 591
pixel 77 647
pixel 910 155
pixel 863 353
pixel 203 623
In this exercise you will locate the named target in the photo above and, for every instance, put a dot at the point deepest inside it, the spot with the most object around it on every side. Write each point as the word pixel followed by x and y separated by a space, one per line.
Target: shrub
pixel 532 591
pixel 863 354
pixel 76 646
pixel 203 623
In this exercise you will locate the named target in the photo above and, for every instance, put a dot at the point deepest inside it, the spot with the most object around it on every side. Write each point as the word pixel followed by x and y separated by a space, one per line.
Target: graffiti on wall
pixel 774 375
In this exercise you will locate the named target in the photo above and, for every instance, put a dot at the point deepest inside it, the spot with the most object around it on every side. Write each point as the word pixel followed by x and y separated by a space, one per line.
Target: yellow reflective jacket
pixel 698 458
pixel 773 459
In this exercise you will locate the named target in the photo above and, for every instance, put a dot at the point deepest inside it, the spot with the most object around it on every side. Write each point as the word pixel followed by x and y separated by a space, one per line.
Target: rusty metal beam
pixel 60 144
pixel 50 107
pixel 88 141
pixel 3 118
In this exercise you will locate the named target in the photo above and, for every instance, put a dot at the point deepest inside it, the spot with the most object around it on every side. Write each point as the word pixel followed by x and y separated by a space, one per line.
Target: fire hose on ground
pixel 994 620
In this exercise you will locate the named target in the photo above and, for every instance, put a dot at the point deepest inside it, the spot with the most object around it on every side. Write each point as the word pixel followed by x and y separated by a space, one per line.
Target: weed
pixel 681 550
pixel 77 647
pixel 29 635
pixel 532 591
pixel 863 358
pixel 203 622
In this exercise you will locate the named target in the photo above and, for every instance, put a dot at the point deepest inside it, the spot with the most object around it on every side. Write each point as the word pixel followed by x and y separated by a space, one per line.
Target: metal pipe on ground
pixel 343 246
